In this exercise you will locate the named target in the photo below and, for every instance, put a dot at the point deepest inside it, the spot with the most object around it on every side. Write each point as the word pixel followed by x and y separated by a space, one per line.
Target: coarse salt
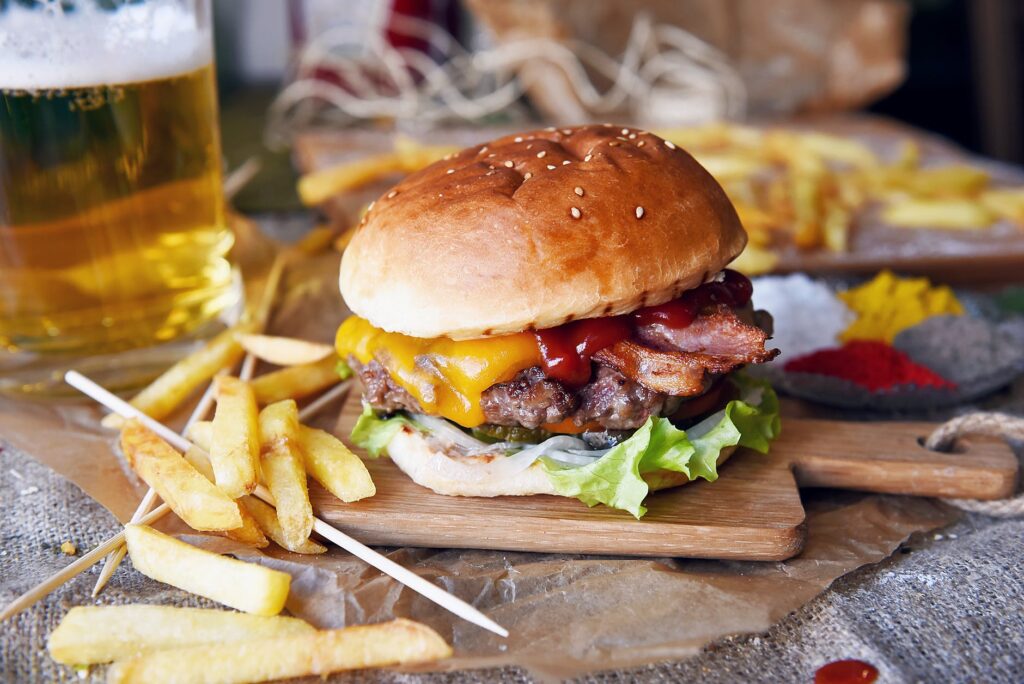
pixel 808 315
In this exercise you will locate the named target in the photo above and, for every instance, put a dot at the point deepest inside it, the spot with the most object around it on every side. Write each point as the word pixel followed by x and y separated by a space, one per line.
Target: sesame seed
pixel 607 125
pixel 588 157
pixel 613 144
pixel 550 129
pixel 542 154
pixel 640 144
pixel 527 176
pixel 632 136
pixel 566 162
pixel 670 145
pixel 619 137
pixel 392 194
pixel 509 164
pixel 518 138
pixel 578 190
pixel 639 212
pixel 492 154
pixel 449 156
pixel 482 149
pixel 625 131
pixel 370 205
pixel 551 167
pixel 530 146
pixel 450 171
pixel 575 212
pixel 566 131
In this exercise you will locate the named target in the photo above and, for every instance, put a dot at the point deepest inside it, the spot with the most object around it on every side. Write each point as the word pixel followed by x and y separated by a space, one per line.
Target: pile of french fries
pixel 255 438
pixel 806 188
pixel 159 643
pixel 790 187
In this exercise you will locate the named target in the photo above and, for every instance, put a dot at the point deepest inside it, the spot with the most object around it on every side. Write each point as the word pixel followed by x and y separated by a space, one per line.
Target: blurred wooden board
pixel 753 511
pixel 993 254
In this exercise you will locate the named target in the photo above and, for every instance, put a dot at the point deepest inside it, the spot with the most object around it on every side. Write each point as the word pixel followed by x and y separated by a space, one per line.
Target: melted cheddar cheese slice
pixel 446 377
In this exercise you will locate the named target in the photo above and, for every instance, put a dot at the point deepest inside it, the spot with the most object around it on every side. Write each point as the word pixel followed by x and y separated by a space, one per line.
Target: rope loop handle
pixel 992 424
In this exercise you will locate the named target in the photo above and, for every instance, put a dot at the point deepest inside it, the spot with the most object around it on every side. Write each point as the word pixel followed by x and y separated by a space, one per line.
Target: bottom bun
pixel 429 468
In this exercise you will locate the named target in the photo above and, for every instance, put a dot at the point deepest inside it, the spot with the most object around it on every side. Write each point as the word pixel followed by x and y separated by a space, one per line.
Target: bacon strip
pixel 719 332
pixel 682 361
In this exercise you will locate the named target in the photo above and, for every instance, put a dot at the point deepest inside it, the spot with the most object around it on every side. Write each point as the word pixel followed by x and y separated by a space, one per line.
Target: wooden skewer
pixel 403 575
pixel 314 407
pixel 54 581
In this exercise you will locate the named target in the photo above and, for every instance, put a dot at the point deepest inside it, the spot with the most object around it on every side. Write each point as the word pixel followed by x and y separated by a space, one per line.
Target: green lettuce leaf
pixel 373 433
pixel 616 479
pixel 343 370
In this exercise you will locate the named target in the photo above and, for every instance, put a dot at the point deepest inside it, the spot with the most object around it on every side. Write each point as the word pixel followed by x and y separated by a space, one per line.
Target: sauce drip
pixel 567 350
pixel 733 290
pixel 846 672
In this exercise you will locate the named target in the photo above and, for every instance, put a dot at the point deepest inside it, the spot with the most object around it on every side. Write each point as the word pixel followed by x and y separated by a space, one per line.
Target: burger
pixel 551 313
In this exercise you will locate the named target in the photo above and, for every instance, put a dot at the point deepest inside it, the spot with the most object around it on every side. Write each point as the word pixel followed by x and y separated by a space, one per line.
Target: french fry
pixel 755 260
pixel 320 186
pixel 249 533
pixel 244 586
pixel 195 500
pixel 955 214
pixel 838 149
pixel 836 227
pixel 178 382
pixel 235 446
pixel 200 433
pixel 315 241
pixel 88 635
pixel 284 351
pixel 283 471
pixel 295 382
pixel 730 166
pixel 399 642
pixel 329 462
pixel 806 192
pixel 415 156
pixel 1005 202
pixel 341 243
pixel 266 517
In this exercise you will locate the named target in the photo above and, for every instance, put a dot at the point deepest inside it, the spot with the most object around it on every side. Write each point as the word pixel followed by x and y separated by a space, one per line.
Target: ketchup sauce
pixel 567 350
pixel 846 672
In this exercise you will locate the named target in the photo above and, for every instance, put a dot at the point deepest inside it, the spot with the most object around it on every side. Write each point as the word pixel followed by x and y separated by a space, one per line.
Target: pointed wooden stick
pixel 403 575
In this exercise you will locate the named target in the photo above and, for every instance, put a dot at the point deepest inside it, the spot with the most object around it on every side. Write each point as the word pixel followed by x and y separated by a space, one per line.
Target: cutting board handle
pixel 889 457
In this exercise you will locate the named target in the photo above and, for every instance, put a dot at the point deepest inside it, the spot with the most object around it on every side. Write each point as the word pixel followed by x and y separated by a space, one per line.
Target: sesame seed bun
pixel 533 230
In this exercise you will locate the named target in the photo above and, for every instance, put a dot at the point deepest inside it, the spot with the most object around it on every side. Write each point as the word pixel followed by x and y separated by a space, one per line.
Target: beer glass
pixel 113 238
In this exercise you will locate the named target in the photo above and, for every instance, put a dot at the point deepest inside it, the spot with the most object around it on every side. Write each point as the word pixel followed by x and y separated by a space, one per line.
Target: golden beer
pixel 112 229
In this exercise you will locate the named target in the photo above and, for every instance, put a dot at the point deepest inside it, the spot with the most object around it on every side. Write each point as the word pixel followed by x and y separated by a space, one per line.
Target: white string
pixel 659 64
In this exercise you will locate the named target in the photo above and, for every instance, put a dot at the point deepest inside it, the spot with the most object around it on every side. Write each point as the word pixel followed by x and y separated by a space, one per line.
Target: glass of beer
pixel 113 238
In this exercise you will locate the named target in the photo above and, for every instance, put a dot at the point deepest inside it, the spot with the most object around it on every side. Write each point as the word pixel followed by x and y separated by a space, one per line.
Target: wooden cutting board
pixel 753 511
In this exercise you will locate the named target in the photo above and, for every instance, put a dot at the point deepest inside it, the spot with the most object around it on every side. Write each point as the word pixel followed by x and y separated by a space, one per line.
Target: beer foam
pixel 44 48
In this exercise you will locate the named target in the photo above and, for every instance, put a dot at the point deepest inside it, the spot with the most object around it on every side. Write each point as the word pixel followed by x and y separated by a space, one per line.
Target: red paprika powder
pixel 870 364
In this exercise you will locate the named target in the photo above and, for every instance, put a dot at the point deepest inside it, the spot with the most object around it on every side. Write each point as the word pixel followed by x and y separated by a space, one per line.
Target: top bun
pixel 533 230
